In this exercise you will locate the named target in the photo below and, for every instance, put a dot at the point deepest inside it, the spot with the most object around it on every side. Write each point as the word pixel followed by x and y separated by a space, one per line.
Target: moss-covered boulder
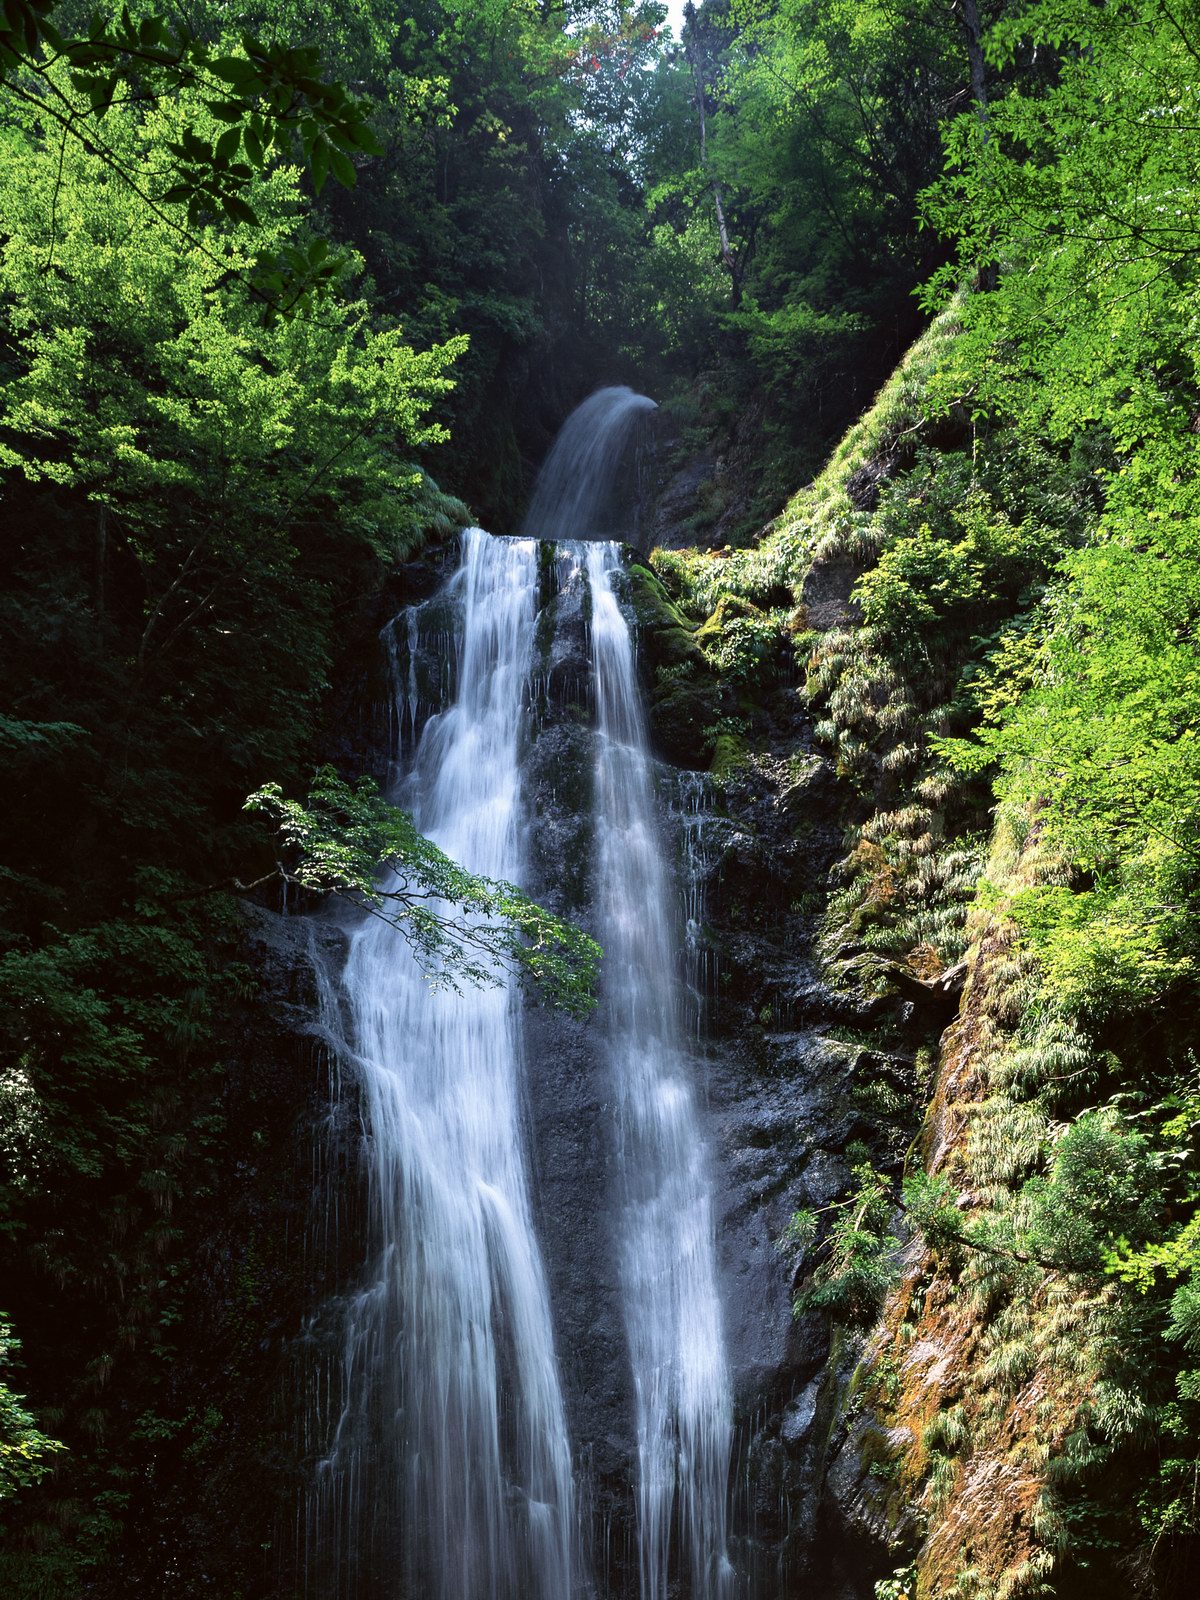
pixel 729 756
pixel 708 634
pixel 683 695
pixel 665 636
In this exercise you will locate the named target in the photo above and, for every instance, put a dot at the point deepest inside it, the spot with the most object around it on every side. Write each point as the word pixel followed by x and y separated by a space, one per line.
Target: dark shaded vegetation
pixel 218 417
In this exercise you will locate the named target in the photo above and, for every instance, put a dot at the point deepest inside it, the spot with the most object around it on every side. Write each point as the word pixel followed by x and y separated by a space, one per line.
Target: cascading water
pixel 449 1477
pixel 587 485
pixel 666 1241
pixel 667 1246
pixel 700 831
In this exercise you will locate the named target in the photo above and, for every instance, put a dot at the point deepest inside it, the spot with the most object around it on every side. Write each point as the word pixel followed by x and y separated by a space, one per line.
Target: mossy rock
pixel 684 698
pixel 666 637
pixel 708 634
pixel 729 755
pixel 682 718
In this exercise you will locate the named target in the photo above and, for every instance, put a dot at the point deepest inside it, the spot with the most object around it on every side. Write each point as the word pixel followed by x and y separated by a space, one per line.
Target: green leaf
pixel 238 210
pixel 233 70
pixel 366 139
pixel 320 153
pixel 343 168
pixel 227 144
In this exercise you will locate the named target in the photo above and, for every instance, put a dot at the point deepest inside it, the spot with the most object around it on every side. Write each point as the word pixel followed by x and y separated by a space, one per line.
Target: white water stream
pixel 667 1245
pixel 449 1352
pixel 449 1476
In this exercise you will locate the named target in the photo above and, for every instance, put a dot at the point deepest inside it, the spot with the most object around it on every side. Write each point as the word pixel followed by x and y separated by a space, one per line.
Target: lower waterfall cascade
pixel 448 1473
pixel 453 1417
pixel 672 1311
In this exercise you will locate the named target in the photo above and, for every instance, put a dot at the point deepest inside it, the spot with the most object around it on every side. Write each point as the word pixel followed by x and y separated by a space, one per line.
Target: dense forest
pixel 289 295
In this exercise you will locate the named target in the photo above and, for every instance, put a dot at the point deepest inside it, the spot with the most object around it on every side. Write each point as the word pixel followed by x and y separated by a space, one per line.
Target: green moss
pixel 685 699
pixel 673 569
pixel 665 635
pixel 729 606
pixel 729 755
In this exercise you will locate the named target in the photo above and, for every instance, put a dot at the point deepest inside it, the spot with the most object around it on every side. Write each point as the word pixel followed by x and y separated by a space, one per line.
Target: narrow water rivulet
pixel 449 1475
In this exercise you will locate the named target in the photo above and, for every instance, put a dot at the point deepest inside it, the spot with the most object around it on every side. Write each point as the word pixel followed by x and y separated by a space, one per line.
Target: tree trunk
pixel 98 588
pixel 974 31
pixel 973 28
pixel 693 52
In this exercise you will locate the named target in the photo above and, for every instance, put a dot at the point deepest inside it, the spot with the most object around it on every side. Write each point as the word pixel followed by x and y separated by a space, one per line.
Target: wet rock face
pixel 776 1082
pixel 781 1118
pixel 569 1105
pixel 791 1064
pixel 775 1071
pixel 360 726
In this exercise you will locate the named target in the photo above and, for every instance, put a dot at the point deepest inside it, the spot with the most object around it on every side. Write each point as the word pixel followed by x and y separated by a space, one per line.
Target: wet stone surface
pixel 774 1080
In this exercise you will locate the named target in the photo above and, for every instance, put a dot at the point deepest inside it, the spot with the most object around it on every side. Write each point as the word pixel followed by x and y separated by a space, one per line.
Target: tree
pixel 25 1451
pixel 461 928
pixel 1085 188
pixel 264 101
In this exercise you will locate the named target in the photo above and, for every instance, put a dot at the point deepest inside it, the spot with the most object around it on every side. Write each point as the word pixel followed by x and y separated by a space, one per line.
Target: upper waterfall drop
pixel 587 487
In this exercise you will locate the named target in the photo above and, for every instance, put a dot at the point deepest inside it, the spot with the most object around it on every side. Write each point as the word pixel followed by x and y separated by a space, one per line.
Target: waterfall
pixel 588 483
pixel 449 1472
pixel 667 1245
pixel 450 1463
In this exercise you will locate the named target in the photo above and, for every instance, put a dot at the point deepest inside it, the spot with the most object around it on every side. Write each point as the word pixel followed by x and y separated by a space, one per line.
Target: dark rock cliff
pixel 782 1060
